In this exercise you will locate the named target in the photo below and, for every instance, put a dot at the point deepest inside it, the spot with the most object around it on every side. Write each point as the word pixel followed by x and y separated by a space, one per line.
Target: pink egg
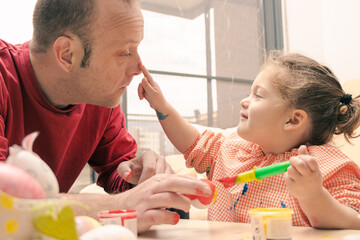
pixel 18 183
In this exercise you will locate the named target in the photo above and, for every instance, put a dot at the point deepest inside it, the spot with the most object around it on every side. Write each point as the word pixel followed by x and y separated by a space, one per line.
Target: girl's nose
pixel 244 103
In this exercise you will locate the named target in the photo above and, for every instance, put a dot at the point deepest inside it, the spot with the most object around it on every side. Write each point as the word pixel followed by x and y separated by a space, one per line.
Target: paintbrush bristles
pixel 227 181
pixel 240 178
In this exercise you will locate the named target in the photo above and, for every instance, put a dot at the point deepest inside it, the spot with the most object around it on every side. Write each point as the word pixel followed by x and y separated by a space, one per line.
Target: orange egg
pixel 204 202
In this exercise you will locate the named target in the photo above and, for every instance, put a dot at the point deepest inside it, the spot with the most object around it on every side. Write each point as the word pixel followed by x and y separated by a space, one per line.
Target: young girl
pixel 295 107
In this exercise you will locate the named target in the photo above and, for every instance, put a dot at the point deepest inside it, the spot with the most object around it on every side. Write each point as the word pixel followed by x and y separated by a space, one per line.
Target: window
pixel 204 55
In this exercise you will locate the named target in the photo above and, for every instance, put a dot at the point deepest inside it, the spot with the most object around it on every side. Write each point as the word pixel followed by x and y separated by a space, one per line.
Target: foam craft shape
pixel 61 228
pixel 17 217
pixel 31 218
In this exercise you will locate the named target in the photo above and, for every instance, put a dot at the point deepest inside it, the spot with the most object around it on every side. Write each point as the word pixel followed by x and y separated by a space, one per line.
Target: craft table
pixel 206 230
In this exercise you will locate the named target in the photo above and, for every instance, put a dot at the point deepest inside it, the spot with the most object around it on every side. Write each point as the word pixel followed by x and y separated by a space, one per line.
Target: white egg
pixel 109 232
pixel 36 167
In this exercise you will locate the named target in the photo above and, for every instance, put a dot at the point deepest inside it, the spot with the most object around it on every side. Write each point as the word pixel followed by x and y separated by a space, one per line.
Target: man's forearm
pixel 96 202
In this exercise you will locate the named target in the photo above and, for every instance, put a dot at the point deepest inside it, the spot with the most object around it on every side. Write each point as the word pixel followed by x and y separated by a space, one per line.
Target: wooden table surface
pixel 204 230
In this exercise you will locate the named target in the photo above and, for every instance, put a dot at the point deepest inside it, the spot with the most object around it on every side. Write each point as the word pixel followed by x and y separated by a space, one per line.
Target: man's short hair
pixel 54 18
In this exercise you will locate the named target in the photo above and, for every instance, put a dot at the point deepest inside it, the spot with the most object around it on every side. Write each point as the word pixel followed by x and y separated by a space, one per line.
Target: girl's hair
pixel 314 88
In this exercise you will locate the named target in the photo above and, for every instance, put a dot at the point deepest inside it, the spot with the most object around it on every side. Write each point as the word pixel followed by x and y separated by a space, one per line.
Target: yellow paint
pixel 6 201
pixel 215 196
pixel 246 177
pixel 11 226
pixel 326 236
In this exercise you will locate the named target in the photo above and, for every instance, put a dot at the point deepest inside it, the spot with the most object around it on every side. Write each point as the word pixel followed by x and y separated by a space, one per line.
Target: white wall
pixel 16 20
pixel 328 31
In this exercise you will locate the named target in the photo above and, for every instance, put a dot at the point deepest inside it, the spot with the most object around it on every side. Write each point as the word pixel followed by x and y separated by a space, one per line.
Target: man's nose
pixel 135 69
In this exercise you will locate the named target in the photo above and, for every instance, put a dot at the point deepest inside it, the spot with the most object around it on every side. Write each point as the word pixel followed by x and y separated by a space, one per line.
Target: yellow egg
pixel 84 224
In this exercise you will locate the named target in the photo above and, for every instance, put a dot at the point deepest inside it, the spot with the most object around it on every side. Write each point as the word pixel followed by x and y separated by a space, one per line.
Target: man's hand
pixel 303 178
pixel 153 196
pixel 150 199
pixel 138 169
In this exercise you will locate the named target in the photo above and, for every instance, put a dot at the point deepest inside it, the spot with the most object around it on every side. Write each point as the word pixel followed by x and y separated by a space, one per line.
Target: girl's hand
pixel 303 178
pixel 150 90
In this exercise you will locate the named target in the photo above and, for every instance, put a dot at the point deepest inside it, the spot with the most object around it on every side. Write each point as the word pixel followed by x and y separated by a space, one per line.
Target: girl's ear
pixel 297 120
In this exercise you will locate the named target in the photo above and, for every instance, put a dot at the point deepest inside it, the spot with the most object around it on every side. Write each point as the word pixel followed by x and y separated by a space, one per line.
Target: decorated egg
pixel 30 162
pixel 84 224
pixel 109 232
pixel 204 202
pixel 18 183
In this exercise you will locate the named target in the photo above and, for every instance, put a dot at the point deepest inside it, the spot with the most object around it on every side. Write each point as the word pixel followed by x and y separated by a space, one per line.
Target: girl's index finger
pixel 146 73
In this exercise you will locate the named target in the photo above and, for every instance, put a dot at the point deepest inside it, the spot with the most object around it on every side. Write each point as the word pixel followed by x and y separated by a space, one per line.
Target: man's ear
pixel 63 49
pixel 297 120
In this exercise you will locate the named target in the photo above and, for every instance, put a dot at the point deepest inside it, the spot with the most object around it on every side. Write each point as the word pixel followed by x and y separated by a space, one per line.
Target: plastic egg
pixel 85 224
pixel 18 183
pixel 204 202
pixel 36 167
pixel 109 232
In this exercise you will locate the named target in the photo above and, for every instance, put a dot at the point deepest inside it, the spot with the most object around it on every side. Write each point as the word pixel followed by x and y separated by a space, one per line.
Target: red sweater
pixel 69 138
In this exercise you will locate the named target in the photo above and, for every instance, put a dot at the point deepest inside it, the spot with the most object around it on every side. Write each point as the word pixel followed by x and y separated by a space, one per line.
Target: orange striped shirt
pixel 221 156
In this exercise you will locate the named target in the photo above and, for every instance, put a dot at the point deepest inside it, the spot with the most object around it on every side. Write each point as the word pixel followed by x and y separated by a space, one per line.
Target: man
pixel 66 83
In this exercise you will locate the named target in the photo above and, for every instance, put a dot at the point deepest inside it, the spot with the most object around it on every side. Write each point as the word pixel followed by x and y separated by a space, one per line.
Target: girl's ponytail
pixel 348 116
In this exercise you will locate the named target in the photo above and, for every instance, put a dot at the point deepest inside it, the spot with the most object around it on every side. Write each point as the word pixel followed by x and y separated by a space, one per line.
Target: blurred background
pixel 206 53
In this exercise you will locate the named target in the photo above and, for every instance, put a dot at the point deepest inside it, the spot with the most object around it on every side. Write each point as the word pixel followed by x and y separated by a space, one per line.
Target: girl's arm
pixel 324 211
pixel 304 181
pixel 180 132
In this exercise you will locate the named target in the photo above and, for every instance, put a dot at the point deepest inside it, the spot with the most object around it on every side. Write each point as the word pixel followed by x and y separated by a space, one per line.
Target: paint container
pixel 126 218
pixel 271 223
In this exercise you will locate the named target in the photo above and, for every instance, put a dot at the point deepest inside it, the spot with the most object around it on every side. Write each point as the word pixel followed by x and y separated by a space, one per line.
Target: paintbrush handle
pixel 271 170
pixel 255 174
